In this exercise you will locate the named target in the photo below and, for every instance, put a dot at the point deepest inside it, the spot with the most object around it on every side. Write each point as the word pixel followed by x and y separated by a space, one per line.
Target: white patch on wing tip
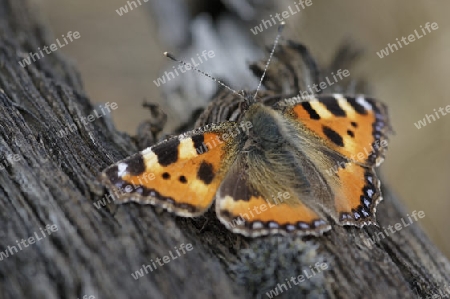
pixel 360 100
pixel 122 169
pixel 146 151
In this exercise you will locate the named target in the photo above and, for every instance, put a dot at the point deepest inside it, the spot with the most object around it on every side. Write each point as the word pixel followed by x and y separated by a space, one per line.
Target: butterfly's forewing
pixel 356 129
pixel 181 174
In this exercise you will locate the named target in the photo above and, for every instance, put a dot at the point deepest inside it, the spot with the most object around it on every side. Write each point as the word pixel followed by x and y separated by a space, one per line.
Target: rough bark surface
pixel 52 180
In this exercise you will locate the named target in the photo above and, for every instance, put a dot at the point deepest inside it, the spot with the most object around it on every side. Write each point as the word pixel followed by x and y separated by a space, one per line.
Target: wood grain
pixel 94 251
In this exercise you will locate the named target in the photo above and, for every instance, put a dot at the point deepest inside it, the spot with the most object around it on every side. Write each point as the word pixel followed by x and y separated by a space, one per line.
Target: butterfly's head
pixel 246 101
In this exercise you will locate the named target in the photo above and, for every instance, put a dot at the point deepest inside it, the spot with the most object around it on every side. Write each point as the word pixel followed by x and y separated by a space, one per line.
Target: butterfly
pixel 294 167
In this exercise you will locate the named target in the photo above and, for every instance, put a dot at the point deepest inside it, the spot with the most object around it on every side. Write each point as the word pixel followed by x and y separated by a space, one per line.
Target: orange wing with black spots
pixel 181 174
pixel 355 127
pixel 321 152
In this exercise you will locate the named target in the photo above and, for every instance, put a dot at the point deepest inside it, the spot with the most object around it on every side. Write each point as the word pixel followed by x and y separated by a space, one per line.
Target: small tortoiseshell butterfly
pixel 281 169
pixel 292 167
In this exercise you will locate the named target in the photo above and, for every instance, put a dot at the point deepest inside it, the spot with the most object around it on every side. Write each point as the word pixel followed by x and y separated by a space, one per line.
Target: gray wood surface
pixel 52 180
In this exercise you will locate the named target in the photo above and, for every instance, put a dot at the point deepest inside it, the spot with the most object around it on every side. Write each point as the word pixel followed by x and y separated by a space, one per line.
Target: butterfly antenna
pixel 169 55
pixel 280 30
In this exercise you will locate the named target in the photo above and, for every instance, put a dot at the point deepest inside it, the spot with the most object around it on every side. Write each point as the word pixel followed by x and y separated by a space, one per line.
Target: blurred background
pixel 120 56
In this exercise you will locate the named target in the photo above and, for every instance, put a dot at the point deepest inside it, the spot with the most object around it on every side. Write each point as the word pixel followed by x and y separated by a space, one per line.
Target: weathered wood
pixel 52 180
